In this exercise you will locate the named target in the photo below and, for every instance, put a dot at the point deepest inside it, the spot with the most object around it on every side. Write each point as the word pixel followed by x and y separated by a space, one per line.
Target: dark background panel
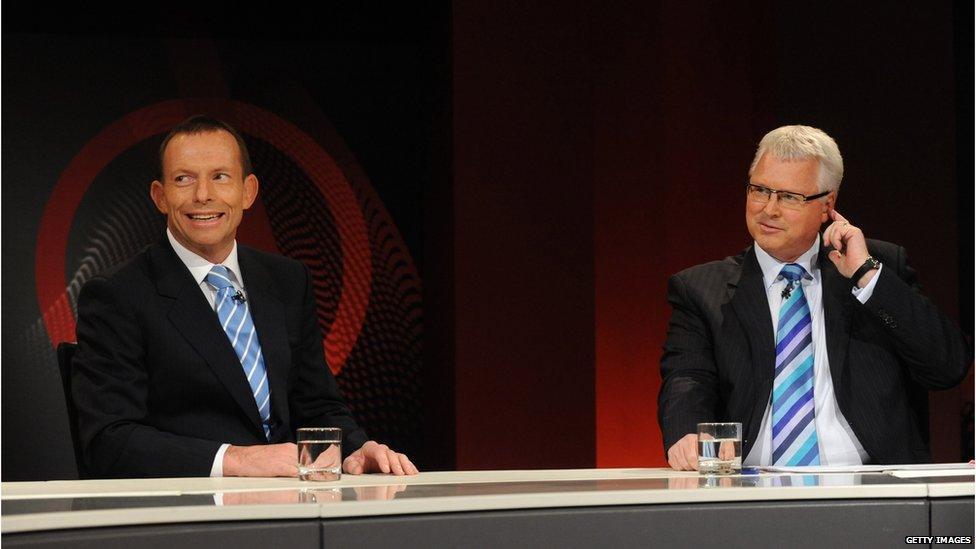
pixel 684 92
pixel 523 236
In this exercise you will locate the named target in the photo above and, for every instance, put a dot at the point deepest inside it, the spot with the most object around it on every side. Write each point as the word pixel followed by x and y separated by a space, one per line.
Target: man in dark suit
pixel 811 341
pixel 201 357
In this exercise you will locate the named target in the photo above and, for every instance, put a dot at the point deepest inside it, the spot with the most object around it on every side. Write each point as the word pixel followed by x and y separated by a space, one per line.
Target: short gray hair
pixel 802 142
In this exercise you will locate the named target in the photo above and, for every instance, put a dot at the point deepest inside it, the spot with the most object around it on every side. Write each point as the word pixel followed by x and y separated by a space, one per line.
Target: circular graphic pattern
pixel 315 207
pixel 56 303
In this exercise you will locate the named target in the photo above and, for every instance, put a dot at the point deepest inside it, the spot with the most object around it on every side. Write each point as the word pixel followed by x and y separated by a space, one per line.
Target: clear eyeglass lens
pixel 758 194
pixel 762 194
pixel 790 199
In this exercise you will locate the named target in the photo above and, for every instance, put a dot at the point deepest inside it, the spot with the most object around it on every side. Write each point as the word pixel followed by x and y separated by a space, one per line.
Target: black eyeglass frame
pixel 770 192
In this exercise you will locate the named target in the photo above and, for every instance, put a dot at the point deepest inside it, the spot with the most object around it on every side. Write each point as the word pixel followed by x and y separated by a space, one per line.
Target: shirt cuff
pixel 217 469
pixel 864 294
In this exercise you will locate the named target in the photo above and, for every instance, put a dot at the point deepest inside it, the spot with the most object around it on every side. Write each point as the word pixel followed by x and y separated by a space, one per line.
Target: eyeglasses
pixel 792 201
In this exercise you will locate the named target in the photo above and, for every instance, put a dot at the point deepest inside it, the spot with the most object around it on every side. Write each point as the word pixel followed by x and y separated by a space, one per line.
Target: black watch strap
pixel 869 264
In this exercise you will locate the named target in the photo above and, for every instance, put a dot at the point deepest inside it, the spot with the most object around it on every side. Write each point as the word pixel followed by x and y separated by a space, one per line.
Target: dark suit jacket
pixel 157 384
pixel 719 358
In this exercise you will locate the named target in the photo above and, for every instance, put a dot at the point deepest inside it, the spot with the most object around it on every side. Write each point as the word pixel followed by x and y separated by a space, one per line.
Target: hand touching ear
pixel 850 248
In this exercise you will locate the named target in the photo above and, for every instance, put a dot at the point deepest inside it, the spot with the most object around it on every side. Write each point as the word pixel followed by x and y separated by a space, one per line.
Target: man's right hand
pixel 262 460
pixel 683 455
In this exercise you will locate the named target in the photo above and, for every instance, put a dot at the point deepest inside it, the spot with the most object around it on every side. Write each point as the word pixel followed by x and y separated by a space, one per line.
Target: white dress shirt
pixel 199 268
pixel 837 443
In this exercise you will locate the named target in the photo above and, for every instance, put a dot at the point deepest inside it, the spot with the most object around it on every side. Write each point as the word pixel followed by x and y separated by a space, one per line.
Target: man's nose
pixel 203 191
pixel 772 207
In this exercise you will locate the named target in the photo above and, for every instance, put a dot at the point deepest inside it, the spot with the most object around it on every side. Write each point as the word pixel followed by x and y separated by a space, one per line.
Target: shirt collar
pixel 199 267
pixel 771 266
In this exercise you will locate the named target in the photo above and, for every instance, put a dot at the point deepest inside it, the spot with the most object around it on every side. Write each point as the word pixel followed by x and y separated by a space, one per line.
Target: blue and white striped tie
pixel 235 318
pixel 794 428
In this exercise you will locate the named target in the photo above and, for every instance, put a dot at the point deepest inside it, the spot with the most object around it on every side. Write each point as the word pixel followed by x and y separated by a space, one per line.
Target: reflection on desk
pixel 761 481
pixel 311 495
pixel 80 504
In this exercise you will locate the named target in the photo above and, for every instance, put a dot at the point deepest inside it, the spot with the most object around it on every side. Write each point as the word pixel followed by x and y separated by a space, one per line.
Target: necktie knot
pixel 793 272
pixel 219 278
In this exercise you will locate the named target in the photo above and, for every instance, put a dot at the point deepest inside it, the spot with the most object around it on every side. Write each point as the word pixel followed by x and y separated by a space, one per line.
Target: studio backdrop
pixel 82 124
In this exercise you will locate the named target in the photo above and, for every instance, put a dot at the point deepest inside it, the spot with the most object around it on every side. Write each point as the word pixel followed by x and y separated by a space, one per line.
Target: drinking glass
pixel 719 448
pixel 319 453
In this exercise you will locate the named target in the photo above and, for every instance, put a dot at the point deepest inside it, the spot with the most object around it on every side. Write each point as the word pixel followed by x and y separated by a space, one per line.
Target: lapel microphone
pixel 786 291
pixel 239 297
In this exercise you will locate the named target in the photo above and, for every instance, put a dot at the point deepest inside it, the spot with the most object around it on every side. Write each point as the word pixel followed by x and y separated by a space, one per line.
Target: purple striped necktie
pixel 794 428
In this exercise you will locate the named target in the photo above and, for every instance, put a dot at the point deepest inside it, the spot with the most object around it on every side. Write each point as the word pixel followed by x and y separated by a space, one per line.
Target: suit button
pixel 887 319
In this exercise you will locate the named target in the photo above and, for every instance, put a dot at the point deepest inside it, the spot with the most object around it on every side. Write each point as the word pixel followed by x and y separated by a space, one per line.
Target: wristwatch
pixel 869 264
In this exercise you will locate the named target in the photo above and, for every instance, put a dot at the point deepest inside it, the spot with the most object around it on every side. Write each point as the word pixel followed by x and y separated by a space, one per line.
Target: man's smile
pixel 204 218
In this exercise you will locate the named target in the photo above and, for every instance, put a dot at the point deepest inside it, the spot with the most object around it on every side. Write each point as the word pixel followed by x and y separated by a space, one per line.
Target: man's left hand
pixel 850 249
pixel 373 457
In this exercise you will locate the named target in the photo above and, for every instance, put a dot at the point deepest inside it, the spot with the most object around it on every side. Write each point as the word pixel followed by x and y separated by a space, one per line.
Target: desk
pixel 568 508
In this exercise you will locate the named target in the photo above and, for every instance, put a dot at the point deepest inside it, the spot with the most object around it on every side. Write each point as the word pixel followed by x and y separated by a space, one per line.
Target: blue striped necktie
pixel 235 319
pixel 794 428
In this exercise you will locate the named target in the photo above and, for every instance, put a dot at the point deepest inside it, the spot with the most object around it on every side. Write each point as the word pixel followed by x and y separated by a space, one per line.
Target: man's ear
pixel 828 206
pixel 158 196
pixel 250 190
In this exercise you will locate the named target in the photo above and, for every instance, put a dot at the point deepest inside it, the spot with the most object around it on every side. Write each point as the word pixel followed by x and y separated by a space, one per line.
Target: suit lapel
pixel 268 314
pixel 748 298
pixel 837 309
pixel 193 317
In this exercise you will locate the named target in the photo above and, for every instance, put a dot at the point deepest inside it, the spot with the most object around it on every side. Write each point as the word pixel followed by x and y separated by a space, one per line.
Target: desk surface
pixel 53 505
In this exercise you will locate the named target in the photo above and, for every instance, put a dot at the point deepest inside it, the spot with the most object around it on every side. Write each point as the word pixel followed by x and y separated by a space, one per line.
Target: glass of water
pixel 719 448
pixel 319 453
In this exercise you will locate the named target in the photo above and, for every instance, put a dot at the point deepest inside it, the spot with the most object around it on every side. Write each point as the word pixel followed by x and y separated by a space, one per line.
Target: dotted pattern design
pixel 380 377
